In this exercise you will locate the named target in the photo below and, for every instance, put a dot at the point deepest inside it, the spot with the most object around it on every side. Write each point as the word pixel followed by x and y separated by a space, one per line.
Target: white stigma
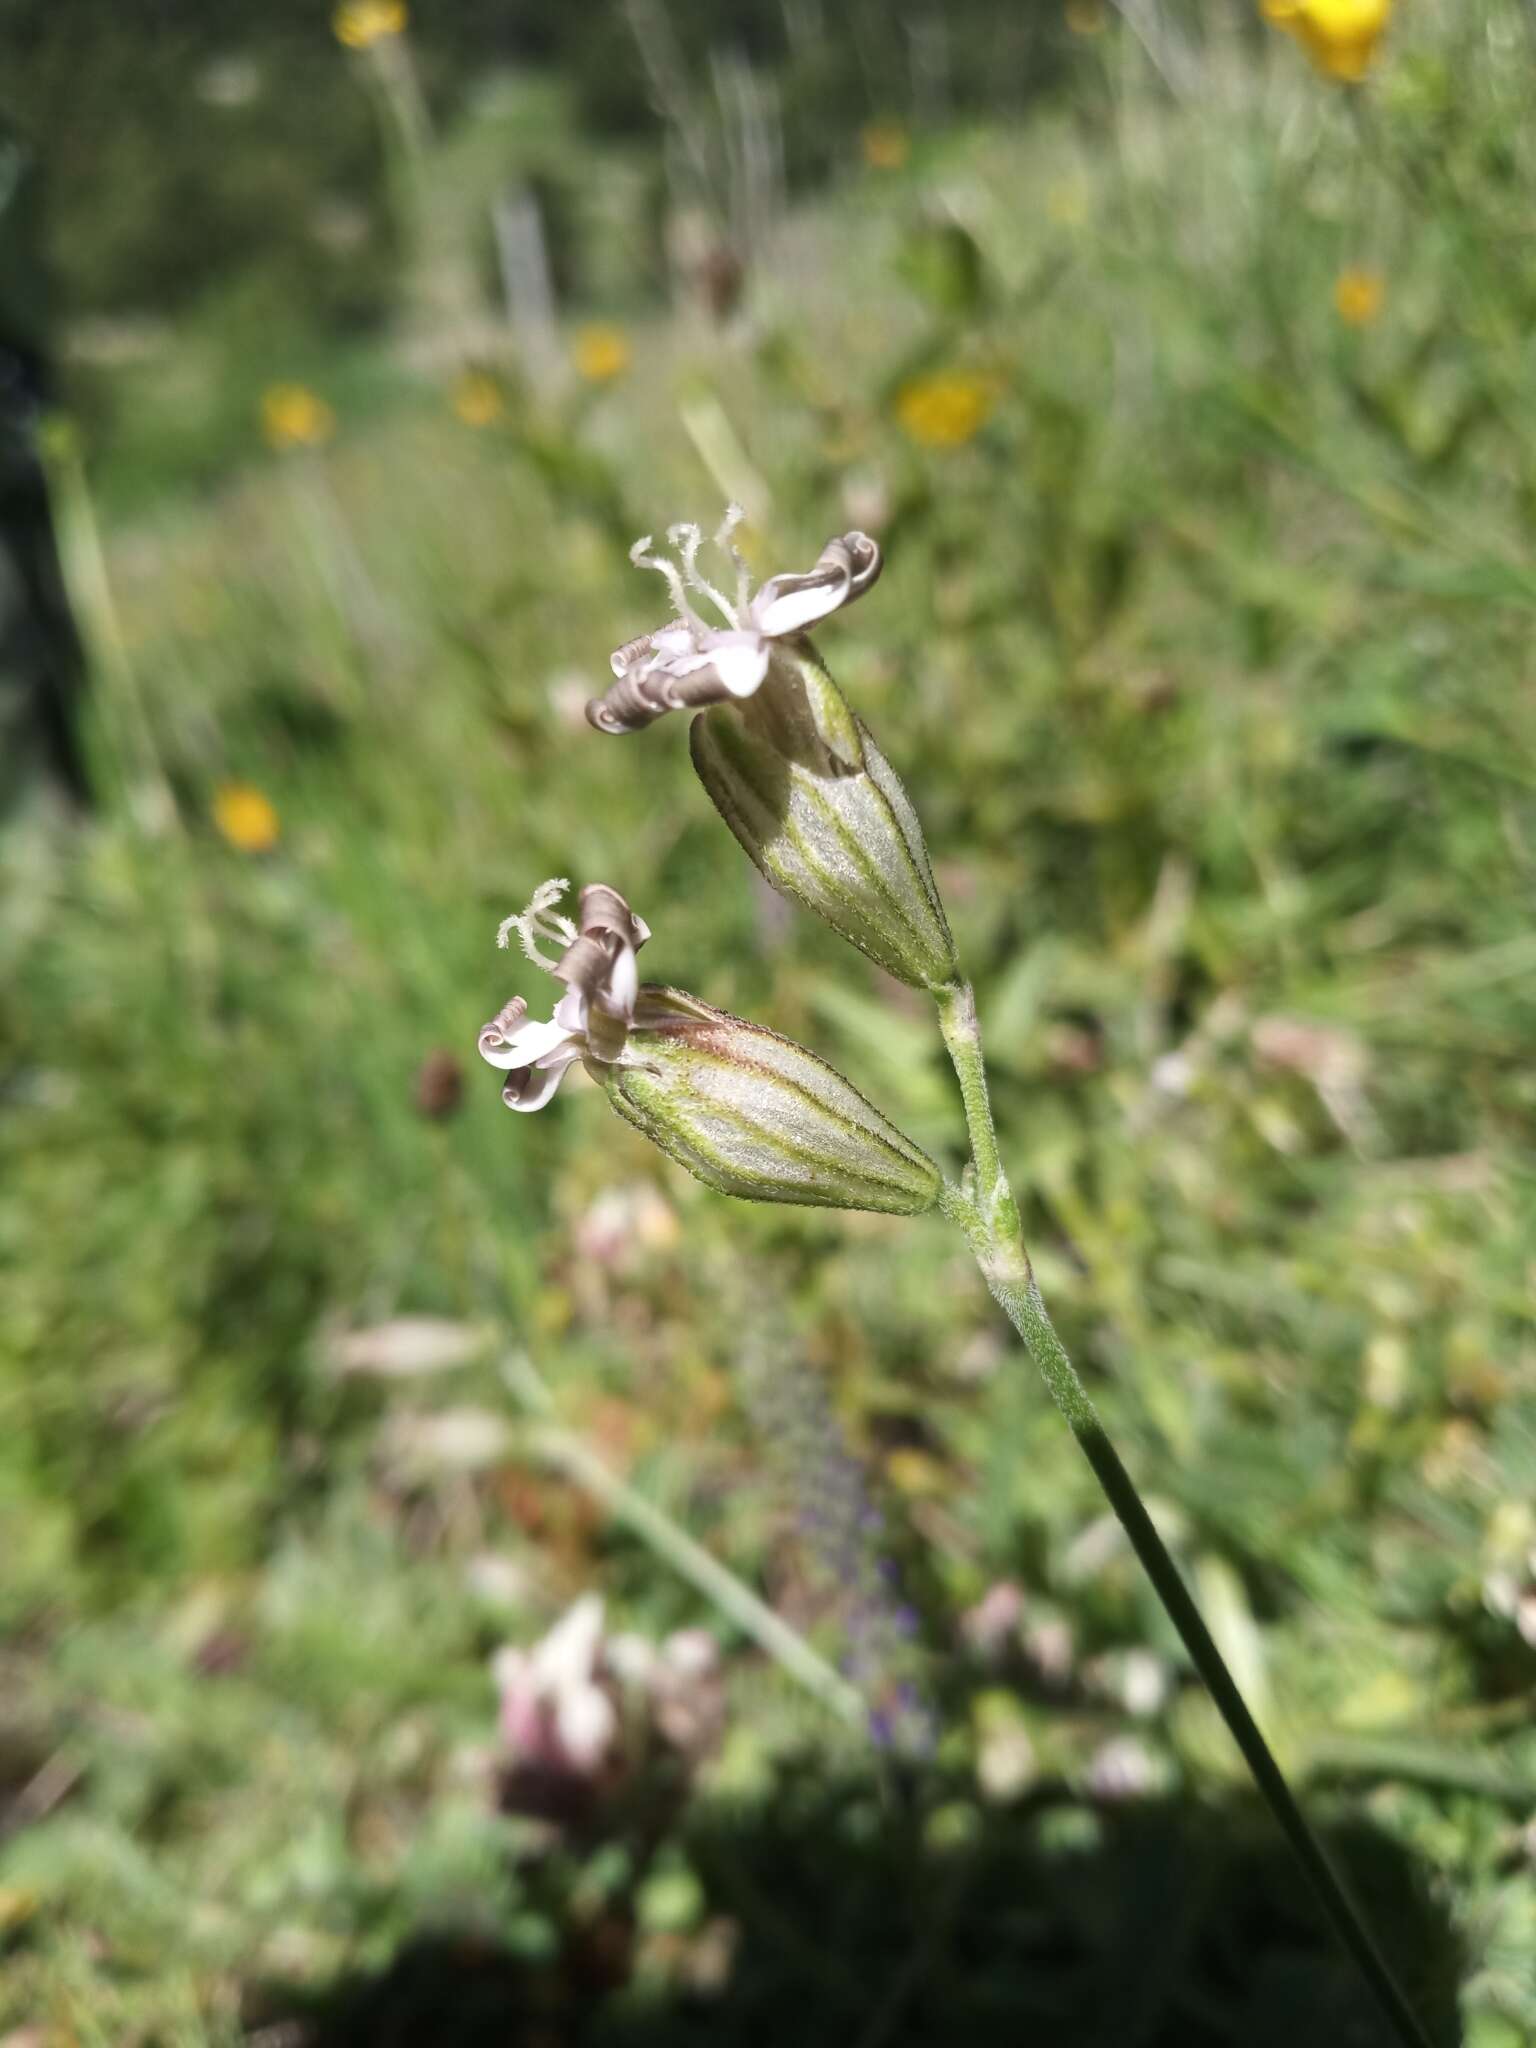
pixel 540 920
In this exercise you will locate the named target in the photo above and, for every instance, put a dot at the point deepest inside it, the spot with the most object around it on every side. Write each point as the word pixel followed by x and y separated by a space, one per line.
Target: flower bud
pixel 799 780
pixel 754 1114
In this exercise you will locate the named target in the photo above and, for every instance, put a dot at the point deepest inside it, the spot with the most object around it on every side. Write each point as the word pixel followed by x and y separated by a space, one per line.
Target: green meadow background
pixel 1190 394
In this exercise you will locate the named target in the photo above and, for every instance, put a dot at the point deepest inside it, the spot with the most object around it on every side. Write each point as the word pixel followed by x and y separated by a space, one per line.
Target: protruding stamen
pixel 642 557
pixel 540 921
pixel 688 538
pixel 726 541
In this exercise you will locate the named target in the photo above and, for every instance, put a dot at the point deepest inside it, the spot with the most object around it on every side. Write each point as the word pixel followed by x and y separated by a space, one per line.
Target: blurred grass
pixel 1207 659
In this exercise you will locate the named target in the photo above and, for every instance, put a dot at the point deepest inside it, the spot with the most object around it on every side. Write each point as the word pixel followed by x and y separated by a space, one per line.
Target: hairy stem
pixel 987 1214
pixel 962 1034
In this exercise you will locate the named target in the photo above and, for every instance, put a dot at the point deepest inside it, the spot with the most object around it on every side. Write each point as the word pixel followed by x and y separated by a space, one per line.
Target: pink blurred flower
pixel 991 1627
pixel 584 1713
pixel 556 1715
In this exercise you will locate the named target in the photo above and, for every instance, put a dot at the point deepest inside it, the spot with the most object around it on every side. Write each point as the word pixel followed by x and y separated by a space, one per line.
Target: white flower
pixel 554 1711
pixel 744 1110
pixel 583 1712
pixel 591 1020
pixel 692 662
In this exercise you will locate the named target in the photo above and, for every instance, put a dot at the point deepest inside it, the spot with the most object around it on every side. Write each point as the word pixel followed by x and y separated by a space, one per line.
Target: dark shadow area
pixel 847 1917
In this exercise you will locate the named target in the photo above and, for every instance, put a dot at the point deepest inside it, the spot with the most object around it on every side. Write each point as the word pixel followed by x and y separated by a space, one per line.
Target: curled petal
pixel 503 1026
pixel 598 968
pixel 844 570
pixel 668 643
pixel 510 1043
pixel 622 985
pixel 687 665
pixel 643 695
pixel 532 1087
pixel 604 909
pixel 601 979
pixel 585 963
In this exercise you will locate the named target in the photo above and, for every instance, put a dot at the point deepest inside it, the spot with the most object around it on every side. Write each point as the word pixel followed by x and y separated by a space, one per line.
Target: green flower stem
pixel 135 762
pixel 962 1034
pixel 986 1212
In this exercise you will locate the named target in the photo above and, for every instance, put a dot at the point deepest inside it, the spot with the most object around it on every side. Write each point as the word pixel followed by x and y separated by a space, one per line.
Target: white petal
pixel 644 652
pixel 568 1654
pixel 529 1043
pixel 630 1657
pixel 740 660
pixel 788 604
pixel 623 983
pixel 571 1010
pixel 586 1724
pixel 533 1086
pixel 686 662
pixel 691 1652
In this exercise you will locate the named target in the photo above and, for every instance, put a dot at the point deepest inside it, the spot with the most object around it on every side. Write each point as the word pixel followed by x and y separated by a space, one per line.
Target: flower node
pixel 591 1020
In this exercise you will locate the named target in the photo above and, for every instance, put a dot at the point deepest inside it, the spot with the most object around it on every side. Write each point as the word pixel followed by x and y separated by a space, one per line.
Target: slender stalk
pixel 136 762
pixel 962 1034
pixel 990 1221
pixel 562 1448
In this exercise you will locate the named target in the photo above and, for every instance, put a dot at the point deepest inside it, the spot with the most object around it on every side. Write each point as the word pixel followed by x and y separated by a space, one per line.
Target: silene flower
pixel 583 1711
pixel 1340 36
pixel 591 1020
pixel 692 661
pixel 790 767
pixel 555 1711
pixel 745 1110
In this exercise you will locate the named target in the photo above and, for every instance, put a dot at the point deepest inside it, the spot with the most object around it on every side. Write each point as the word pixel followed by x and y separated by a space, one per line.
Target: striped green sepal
pixel 754 1114
pixel 813 801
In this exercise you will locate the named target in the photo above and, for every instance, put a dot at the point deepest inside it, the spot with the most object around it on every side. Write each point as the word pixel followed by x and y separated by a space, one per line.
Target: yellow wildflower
pixel 17 1906
pixel 915 1473
pixel 245 817
pixel 886 145
pixel 293 417
pixel 945 409
pixel 601 353
pixel 477 399
pixel 1340 36
pixel 1358 296
pixel 1085 17
pixel 360 23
